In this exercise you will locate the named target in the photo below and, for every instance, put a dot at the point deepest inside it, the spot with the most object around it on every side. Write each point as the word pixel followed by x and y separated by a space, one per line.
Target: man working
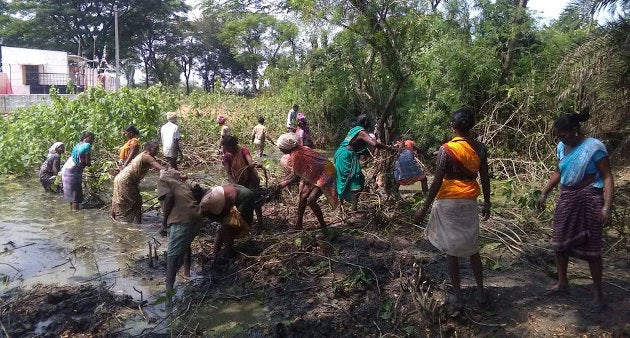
pixel 182 219
pixel 169 133
pixel 292 118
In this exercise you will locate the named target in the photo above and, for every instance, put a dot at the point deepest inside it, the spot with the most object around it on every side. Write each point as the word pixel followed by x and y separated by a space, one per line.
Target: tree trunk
pixel 254 78
pixel 508 58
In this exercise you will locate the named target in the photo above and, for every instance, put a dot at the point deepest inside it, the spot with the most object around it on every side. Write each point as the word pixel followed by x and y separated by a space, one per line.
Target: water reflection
pixel 44 242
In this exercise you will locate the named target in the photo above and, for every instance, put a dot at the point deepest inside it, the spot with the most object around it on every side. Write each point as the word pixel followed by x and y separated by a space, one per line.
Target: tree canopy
pixel 405 63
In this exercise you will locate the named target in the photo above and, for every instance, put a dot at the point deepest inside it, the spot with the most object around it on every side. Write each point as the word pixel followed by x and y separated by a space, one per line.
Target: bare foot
pixel 597 307
pixel 454 306
pixel 557 289
pixel 482 299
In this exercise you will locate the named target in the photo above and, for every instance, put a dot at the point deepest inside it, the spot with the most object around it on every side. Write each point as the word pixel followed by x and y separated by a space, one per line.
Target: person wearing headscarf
pixel 224 129
pixel 584 204
pixel 232 205
pixel 407 170
pixel 314 172
pixel 51 167
pixel 169 134
pixel 350 178
pixel 131 148
pixel 454 222
pixel 72 171
pixel 126 198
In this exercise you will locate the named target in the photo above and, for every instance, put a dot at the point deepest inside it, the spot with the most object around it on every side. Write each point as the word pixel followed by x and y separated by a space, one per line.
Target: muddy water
pixel 42 241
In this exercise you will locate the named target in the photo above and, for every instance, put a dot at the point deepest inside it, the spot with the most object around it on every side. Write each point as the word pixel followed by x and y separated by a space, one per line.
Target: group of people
pixel 583 207
pixel 584 204
pixel 71 173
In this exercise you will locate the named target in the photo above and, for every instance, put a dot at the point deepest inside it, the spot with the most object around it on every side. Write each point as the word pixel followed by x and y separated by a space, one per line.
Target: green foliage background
pixel 28 132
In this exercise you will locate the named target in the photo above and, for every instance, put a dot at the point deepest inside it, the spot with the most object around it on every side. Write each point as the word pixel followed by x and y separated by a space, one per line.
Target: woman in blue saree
pixel 72 171
pixel 584 204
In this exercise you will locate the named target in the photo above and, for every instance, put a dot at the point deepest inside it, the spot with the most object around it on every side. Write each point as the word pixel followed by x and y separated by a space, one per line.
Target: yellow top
pixel 125 151
pixel 466 159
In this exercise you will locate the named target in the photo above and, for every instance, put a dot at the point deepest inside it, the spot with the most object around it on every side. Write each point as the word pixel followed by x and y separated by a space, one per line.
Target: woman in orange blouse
pixel 454 222
pixel 131 148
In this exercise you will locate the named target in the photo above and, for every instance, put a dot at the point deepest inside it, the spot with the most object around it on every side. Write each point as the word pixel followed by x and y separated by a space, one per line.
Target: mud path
pixel 354 278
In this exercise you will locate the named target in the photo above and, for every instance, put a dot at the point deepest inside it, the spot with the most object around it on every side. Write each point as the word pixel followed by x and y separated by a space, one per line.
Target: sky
pixel 547 9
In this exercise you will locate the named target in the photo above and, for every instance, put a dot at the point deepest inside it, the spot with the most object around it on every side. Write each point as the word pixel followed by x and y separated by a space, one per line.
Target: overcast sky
pixel 547 9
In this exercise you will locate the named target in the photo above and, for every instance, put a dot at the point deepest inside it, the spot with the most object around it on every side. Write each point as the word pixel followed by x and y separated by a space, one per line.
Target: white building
pixel 35 71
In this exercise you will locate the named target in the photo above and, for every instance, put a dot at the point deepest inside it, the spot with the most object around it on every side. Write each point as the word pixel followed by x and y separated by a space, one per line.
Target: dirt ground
pixel 370 273
pixel 64 311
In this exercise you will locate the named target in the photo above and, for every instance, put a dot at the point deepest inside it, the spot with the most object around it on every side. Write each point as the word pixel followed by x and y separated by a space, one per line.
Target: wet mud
pixel 370 273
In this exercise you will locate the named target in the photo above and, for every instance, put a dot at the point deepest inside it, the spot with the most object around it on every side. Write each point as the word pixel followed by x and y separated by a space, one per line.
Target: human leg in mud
pixel 595 265
pixel 452 265
pixel 311 201
pixel 179 253
pixel 477 268
pixel 562 263
pixel 224 237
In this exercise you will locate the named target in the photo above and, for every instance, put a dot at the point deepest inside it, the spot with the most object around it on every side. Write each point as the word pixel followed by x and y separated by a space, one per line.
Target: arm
pixel 435 187
pixel 87 159
pixel 228 170
pixel 292 178
pixel 55 165
pixel 603 166
pixel 154 164
pixel 250 161
pixel 485 187
pixel 167 201
pixel 364 136
pixel 253 134
pixel 179 148
pixel 270 139
pixel 551 184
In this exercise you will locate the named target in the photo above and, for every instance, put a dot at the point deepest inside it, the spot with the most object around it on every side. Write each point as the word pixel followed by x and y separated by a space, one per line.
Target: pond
pixel 44 242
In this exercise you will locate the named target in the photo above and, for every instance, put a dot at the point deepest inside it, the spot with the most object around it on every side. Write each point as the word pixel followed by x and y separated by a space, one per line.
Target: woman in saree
pixel 241 168
pixel 51 167
pixel 584 204
pixel 72 171
pixel 350 178
pixel 454 222
pixel 407 170
pixel 303 131
pixel 131 148
pixel 233 206
pixel 126 199
pixel 315 173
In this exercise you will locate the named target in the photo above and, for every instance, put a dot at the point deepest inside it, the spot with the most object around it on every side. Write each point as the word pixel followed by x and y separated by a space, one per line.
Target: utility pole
pixel 117 47
pixel 94 57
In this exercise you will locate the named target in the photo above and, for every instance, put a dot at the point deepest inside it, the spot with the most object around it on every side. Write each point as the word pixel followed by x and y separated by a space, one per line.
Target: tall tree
pixel 86 27
pixel 215 60
pixel 156 37
pixel 255 37
pixel 382 37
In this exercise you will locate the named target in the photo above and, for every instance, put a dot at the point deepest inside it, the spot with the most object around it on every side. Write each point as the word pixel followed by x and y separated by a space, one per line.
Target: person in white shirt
pixel 292 118
pixel 259 136
pixel 169 134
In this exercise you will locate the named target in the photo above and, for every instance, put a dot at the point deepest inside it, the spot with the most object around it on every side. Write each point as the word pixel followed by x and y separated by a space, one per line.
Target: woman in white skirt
pixel 454 222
